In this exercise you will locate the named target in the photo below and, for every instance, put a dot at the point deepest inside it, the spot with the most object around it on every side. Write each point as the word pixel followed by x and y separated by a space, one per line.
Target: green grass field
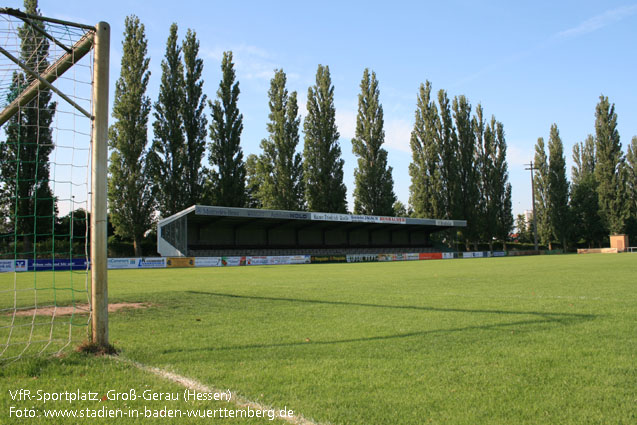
pixel 527 340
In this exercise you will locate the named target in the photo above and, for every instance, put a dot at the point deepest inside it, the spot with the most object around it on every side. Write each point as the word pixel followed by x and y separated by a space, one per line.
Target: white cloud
pixel 397 134
pixel 251 62
pixel 597 22
pixel 519 156
pixel 346 123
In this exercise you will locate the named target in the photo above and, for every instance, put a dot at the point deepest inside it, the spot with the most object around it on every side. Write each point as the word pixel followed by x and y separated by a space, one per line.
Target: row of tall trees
pixel 168 176
pixel 601 198
pixel 453 151
pixel 459 168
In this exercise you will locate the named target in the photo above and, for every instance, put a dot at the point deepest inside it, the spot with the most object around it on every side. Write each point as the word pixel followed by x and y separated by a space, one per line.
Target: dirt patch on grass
pixel 76 309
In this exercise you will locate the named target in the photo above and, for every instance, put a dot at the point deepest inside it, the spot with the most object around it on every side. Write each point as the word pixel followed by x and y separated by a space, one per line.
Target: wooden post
pixel 99 161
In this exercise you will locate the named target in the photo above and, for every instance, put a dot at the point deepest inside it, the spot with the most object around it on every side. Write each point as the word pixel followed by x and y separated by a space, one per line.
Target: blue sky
pixel 530 64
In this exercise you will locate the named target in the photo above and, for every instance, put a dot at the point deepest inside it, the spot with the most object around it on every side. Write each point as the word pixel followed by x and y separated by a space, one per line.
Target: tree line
pixel 458 170
pixel 600 199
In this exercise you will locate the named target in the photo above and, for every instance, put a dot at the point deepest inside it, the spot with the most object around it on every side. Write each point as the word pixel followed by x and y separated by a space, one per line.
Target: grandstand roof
pixel 297 218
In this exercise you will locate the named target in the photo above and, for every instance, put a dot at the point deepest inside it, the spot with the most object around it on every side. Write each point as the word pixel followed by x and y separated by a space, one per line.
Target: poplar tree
pixel 612 204
pixel 226 156
pixel 484 140
pixel 129 187
pixel 253 182
pixel 584 204
pixel 426 190
pixel 322 162
pixel 467 174
pixel 29 202
pixel 168 155
pixel 448 145
pixel 631 188
pixel 558 195
pixel 496 189
pixel 374 190
pixel 279 168
pixel 542 205
pixel 195 121
pixel 583 160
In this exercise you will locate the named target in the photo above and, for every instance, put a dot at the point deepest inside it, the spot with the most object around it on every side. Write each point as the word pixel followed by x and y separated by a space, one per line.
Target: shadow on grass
pixel 371 338
pixel 542 318
pixel 555 316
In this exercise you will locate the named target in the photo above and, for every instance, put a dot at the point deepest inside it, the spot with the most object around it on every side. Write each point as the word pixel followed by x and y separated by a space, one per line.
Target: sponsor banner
pixel 207 261
pixel 597 251
pixel 396 220
pixel 444 223
pixel 329 259
pixel 447 256
pixel 277 260
pixel 233 261
pixel 300 259
pixel 330 217
pixel 499 254
pixel 412 256
pixel 392 257
pixel 472 254
pixel 366 218
pixel 362 258
pixel 180 262
pixel 257 261
pixel 7 266
pixel 21 265
pixel 151 263
pixel 430 256
pixel 123 263
pixel 48 264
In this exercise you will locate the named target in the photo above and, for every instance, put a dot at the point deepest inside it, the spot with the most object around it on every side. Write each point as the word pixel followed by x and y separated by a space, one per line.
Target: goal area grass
pixel 525 340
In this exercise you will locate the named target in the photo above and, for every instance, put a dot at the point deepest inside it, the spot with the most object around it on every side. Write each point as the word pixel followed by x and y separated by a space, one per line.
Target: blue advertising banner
pixel 47 264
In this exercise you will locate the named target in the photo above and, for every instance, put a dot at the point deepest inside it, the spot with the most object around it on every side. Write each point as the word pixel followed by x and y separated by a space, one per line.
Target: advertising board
pixel 430 256
pixel 151 263
pixel 207 261
pixel 174 262
pixel 233 261
pixel 122 263
pixel 362 258
pixel 329 259
pixel 7 266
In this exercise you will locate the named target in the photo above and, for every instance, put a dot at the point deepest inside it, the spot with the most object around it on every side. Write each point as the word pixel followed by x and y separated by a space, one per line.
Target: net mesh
pixel 45 152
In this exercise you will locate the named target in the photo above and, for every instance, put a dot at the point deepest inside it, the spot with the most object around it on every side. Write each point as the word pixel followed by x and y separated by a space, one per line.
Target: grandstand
pixel 209 231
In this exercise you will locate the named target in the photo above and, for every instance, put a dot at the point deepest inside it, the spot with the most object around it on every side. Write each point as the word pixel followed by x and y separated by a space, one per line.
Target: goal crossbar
pixel 44 80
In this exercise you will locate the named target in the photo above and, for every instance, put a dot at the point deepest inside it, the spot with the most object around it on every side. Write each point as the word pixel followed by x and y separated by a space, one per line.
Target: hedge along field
pixel 550 339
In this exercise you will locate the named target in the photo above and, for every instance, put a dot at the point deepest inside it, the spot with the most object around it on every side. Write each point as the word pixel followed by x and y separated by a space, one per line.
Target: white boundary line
pixel 193 384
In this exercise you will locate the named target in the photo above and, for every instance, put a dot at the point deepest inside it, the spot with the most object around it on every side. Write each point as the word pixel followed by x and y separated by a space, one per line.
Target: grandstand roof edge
pixel 209 210
pixel 176 215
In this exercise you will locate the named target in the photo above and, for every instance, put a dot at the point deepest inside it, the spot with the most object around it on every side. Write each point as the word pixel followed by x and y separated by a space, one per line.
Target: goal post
pixel 99 260
pixel 54 107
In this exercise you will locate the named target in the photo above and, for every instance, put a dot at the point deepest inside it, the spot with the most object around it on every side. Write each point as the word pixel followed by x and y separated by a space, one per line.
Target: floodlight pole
pixel 530 168
pixel 99 261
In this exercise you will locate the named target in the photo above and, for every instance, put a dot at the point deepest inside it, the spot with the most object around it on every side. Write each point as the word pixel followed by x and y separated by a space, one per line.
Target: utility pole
pixel 530 168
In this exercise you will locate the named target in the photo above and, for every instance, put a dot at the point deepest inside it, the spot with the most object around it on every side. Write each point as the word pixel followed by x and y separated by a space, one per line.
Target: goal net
pixel 49 130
